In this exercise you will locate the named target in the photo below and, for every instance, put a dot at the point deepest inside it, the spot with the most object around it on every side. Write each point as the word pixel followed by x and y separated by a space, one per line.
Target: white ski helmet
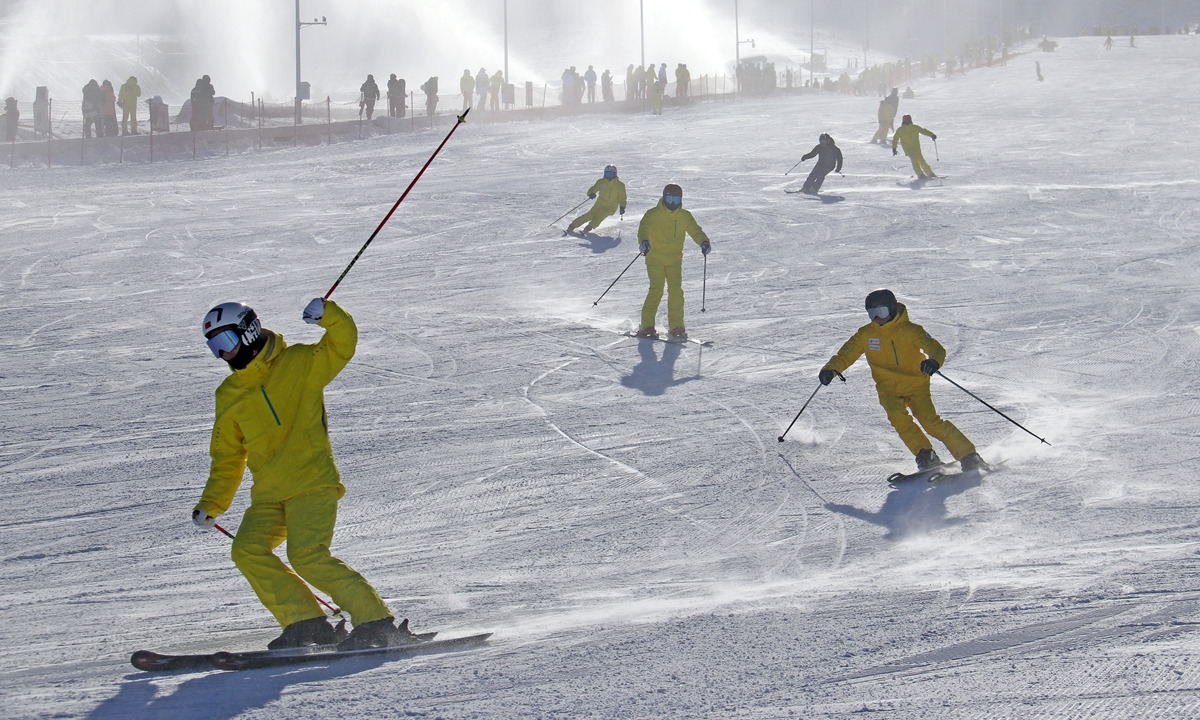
pixel 228 324
pixel 610 171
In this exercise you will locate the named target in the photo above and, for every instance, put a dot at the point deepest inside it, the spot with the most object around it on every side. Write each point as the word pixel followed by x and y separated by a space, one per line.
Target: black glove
pixel 894 151
pixel 591 196
pixel 929 366
pixel 825 376
pixel 644 247
pixel 705 247
pixel 622 209
pixel 933 136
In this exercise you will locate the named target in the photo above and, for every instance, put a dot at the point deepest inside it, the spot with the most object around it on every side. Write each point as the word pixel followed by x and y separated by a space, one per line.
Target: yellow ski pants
pixel 595 216
pixel 672 275
pixel 920 167
pixel 882 133
pixel 922 408
pixel 306 522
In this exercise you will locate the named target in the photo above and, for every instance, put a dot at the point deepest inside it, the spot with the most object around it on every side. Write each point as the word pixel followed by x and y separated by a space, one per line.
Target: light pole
pixel 299 93
pixel 866 32
pixel 507 79
pixel 737 48
pixel 812 38
pixel 642 23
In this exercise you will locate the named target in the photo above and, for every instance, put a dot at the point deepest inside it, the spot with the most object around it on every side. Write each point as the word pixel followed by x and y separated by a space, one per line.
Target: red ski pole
pixel 461 119
pixel 336 611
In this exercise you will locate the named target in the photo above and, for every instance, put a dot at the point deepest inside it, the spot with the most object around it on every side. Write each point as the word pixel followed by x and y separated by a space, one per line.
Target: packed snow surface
pixel 620 513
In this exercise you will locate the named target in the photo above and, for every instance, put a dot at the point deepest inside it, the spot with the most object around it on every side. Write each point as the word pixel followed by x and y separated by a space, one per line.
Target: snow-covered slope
pixel 620 514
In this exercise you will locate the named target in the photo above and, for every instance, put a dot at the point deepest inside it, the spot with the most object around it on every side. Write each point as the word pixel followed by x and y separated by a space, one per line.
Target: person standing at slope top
pixel 270 416
pixel 909 136
pixel 902 357
pixel 829 158
pixel 660 236
pixel 609 194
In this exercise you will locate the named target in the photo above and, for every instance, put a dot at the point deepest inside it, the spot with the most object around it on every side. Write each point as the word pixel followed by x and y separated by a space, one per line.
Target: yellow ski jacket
pixel 665 230
pixel 909 137
pixel 271 417
pixel 894 352
pixel 609 193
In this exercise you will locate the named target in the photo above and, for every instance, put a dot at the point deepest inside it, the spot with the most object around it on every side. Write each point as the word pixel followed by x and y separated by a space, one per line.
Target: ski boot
pixel 678 334
pixel 927 459
pixel 972 462
pixel 313 631
pixel 647 332
pixel 379 633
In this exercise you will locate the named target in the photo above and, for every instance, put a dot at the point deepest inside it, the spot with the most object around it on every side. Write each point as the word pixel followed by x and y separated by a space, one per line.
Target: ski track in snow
pixel 619 512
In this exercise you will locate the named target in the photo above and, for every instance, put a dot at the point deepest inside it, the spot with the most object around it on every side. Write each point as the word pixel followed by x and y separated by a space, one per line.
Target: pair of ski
pixel 670 340
pixel 939 474
pixel 425 644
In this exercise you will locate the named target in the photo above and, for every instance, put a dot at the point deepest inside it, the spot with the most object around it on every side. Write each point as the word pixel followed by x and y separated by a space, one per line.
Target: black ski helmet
pixel 906 120
pixel 882 298
pixel 825 139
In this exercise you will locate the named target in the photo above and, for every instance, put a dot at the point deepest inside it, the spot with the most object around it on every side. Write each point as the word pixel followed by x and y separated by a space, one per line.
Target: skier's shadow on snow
pixel 916 184
pixel 912 508
pixel 653 375
pixel 217 695
pixel 831 199
pixel 600 243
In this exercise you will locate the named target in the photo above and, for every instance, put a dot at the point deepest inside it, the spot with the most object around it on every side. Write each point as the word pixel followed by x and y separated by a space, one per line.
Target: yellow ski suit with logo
pixel 894 351
pixel 666 232
pixel 909 137
pixel 270 416
pixel 610 195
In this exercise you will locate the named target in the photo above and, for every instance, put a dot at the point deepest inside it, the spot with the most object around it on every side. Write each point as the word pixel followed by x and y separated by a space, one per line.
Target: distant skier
pixel 909 94
pixel 482 81
pixel 397 93
pixel 660 237
pixel 606 86
pixel 1108 43
pixel 657 90
pixel 590 78
pixel 430 88
pixel 108 111
pixel 1132 43
pixel 609 193
pixel 887 118
pixel 370 94
pixel 909 136
pixel 902 357
pixel 127 99
pixel 93 101
pixel 466 85
pixel 496 88
pixel 270 416
pixel 829 158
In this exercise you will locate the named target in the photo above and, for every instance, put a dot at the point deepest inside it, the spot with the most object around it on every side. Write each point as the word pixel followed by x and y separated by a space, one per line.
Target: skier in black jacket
pixel 829 157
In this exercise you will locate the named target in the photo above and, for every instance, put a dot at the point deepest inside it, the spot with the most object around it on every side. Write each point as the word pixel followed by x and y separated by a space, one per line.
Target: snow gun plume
pixel 989 407
pixel 461 119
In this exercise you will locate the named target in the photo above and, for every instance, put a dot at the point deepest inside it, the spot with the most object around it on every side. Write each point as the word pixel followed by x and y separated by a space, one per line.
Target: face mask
pixel 673 202
pixel 609 175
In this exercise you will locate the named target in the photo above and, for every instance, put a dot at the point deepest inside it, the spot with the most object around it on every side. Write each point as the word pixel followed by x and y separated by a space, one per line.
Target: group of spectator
pixel 481 85
pixel 100 103
pixel 640 81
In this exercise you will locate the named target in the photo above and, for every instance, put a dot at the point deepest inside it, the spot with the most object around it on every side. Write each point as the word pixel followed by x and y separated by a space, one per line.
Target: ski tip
pixel 145 660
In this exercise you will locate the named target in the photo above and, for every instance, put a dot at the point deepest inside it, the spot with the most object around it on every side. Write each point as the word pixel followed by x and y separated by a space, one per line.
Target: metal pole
pixel 866 31
pixel 642 21
pixel 49 132
pixel 737 41
pixel 812 38
pixel 297 62
pixel 506 78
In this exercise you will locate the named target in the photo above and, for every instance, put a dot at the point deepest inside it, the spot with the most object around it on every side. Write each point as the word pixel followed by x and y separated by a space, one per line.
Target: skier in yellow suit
pixel 887 117
pixel 902 357
pixel 270 416
pixel 656 96
pixel 909 136
pixel 609 194
pixel 660 236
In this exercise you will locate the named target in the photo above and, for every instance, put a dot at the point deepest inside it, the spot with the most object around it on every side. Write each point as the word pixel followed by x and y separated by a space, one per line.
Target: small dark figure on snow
pixel 430 88
pixel 11 116
pixel 370 93
pixel 397 92
pixel 829 158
